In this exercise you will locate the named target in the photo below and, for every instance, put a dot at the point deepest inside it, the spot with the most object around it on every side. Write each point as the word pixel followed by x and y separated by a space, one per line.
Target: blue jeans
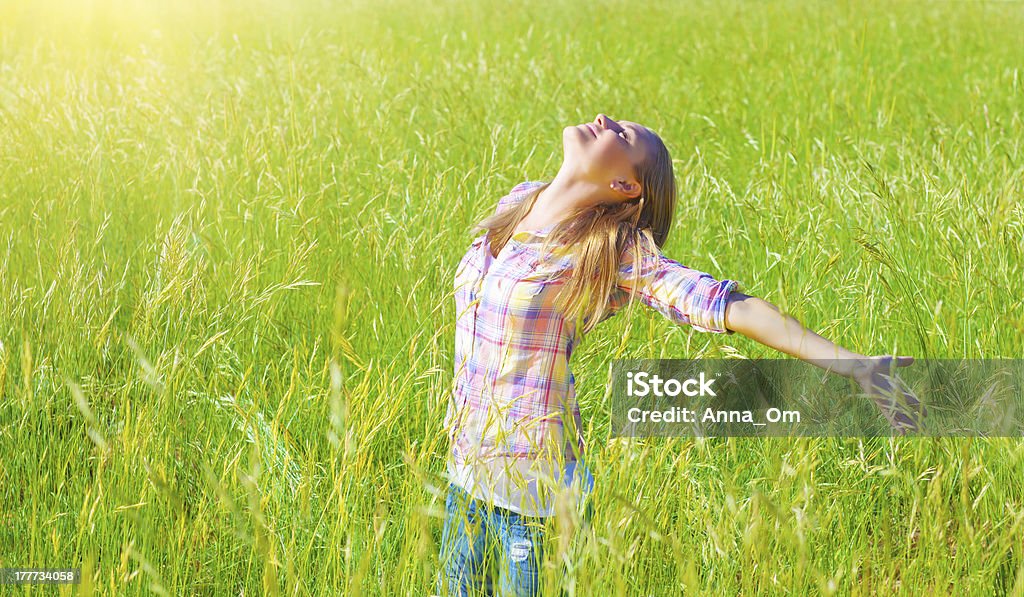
pixel 473 530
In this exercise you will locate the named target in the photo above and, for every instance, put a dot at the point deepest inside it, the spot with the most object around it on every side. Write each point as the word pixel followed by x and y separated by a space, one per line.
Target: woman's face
pixel 606 151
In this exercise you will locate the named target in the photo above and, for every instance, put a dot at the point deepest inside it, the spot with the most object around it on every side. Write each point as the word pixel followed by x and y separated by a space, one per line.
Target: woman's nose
pixel 604 122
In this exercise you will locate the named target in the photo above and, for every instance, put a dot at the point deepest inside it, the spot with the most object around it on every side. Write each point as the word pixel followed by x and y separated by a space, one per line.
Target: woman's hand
pixel 763 322
pixel 903 411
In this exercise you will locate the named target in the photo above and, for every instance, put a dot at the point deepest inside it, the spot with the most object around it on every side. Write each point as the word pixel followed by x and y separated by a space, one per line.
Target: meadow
pixel 228 233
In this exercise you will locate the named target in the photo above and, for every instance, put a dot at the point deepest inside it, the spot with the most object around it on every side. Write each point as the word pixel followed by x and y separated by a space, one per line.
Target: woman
pixel 556 259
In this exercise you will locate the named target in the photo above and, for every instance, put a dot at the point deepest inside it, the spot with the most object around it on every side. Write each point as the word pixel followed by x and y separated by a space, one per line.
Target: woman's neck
pixel 565 194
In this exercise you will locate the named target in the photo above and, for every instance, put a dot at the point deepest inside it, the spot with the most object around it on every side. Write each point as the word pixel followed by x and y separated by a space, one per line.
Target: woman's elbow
pixel 738 308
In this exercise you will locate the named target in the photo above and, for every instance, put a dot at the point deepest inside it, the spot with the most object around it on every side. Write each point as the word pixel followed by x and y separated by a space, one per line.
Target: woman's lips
pixel 590 128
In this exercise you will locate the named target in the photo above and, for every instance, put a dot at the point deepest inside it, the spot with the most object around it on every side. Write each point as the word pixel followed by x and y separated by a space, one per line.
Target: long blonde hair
pixel 596 237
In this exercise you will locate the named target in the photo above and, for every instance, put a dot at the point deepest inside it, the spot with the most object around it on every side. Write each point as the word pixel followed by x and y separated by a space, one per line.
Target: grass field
pixel 228 232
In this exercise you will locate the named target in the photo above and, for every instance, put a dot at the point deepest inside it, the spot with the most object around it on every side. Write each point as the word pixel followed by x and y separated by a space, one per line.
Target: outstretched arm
pixel 762 321
pixel 688 296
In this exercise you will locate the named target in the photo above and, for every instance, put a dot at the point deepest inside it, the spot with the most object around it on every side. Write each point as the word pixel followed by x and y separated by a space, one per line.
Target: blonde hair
pixel 596 237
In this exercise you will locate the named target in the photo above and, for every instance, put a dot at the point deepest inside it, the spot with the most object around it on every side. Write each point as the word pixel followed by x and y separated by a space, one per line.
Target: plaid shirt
pixel 513 416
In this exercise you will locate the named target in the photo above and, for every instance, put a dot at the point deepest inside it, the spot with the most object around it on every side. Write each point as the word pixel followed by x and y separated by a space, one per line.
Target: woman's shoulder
pixel 518 193
pixel 528 185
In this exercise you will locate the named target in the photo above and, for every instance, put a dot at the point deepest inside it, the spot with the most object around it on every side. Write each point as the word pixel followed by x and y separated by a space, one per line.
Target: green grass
pixel 228 232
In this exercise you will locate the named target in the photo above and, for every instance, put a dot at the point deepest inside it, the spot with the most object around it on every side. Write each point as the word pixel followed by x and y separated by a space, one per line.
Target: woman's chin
pixel 572 141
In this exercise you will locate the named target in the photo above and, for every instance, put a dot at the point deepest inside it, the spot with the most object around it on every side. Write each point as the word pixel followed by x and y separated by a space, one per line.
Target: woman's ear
pixel 629 189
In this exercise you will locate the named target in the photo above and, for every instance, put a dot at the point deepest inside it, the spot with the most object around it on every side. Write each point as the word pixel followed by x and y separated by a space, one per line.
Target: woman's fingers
pixel 898 404
pixel 901 408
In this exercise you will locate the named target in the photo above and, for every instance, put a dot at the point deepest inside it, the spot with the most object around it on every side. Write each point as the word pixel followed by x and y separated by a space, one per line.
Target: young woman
pixel 557 258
